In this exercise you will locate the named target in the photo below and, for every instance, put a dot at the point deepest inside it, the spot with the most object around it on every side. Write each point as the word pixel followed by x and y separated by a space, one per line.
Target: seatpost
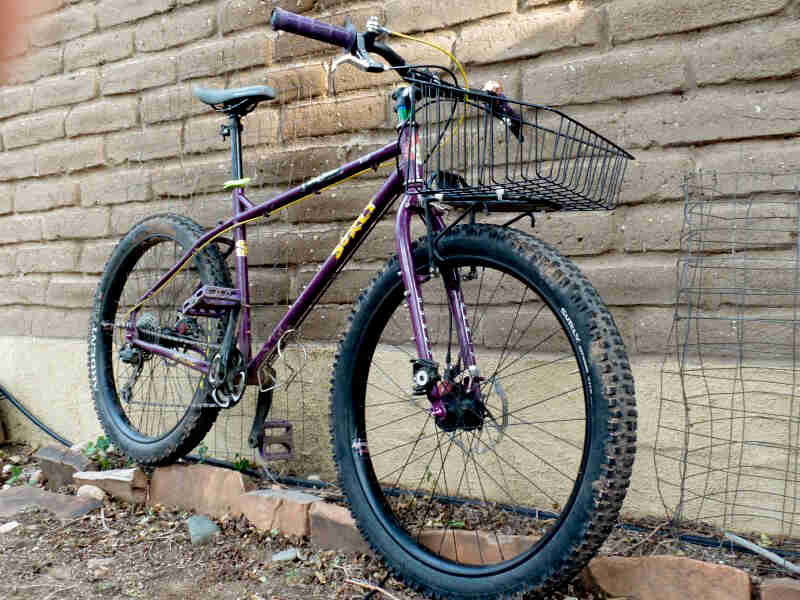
pixel 234 129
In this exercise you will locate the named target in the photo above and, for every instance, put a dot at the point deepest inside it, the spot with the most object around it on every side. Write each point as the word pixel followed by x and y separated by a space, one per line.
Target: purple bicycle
pixel 482 417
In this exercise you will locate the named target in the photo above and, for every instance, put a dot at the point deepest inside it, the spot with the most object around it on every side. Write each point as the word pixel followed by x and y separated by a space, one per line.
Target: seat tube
pixel 240 241
pixel 242 280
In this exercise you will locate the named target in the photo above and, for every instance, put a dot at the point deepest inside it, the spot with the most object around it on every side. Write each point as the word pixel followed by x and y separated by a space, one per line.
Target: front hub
pixel 463 408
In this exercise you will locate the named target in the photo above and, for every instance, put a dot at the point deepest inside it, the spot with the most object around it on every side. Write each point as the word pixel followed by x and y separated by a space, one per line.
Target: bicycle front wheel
pixel 153 408
pixel 519 491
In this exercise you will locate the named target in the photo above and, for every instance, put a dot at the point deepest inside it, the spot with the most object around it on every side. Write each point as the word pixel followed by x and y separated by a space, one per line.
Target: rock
pixel 209 490
pixel 91 491
pixel 15 460
pixel 285 510
pixel 59 464
pixel 333 528
pixel 201 529
pixel 16 499
pixel 8 527
pixel 666 578
pixel 36 477
pixel 99 567
pixel 127 484
pixel 61 573
pixel 314 478
pixel 99 563
pixel 285 555
pixel 7 469
pixel 780 589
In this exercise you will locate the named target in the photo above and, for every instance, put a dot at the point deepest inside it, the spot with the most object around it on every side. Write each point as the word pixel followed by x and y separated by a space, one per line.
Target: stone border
pixel 218 492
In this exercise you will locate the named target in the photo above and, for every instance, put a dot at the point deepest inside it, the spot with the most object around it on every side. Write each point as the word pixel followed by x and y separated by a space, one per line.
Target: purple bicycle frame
pixel 244 211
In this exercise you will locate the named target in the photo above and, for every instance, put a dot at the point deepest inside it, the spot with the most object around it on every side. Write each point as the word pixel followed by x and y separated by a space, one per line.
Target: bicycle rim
pixel 155 393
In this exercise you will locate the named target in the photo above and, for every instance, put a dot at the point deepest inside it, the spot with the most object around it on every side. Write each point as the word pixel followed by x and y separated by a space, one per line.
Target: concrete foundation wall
pixel 67 409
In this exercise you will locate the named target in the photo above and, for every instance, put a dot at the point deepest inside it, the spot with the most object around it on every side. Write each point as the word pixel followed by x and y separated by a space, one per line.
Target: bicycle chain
pixel 166 336
pixel 172 338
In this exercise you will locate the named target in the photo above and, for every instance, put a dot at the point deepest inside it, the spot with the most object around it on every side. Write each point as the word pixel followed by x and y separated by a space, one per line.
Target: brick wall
pixel 98 128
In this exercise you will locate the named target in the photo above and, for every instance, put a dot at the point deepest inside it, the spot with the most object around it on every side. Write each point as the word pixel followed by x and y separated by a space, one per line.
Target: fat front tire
pixel 154 409
pixel 520 498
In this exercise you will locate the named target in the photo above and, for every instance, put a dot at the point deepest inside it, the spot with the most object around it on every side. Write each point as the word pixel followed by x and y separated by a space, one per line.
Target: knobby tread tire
pixel 196 421
pixel 596 509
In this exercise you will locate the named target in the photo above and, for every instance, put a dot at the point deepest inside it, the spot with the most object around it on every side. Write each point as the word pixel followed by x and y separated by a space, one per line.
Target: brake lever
pixel 359 57
pixel 505 113
pixel 364 63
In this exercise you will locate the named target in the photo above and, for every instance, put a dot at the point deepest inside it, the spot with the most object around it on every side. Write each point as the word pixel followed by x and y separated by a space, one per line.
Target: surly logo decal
pixel 357 226
pixel 573 331
pixel 93 359
pixel 571 325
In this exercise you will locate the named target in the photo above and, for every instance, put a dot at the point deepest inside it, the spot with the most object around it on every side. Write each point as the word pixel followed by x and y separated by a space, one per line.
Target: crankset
pixel 227 373
pixel 227 383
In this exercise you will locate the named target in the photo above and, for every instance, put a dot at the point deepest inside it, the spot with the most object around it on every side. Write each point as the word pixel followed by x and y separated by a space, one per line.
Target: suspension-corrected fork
pixel 426 370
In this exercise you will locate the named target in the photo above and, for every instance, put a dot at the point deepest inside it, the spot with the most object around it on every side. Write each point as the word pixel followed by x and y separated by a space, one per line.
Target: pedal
pixel 283 438
pixel 210 301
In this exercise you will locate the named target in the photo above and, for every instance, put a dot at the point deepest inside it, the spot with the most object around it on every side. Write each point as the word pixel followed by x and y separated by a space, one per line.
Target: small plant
pixel 16 473
pixel 240 463
pixel 202 452
pixel 98 451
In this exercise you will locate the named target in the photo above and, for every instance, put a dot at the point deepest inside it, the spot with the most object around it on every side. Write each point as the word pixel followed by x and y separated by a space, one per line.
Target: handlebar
pixel 360 44
pixel 283 20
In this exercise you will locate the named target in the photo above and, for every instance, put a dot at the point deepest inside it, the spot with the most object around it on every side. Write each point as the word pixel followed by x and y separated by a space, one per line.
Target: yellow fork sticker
pixel 241 248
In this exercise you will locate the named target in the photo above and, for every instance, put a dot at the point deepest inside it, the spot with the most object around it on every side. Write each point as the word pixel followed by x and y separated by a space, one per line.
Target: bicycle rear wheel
pixel 154 409
pixel 522 497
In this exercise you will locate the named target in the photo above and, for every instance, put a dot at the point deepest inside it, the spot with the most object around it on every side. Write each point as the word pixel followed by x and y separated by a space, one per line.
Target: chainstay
pixel 166 336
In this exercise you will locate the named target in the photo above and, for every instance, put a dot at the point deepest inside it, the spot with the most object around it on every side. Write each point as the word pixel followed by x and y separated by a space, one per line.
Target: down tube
pixel 390 190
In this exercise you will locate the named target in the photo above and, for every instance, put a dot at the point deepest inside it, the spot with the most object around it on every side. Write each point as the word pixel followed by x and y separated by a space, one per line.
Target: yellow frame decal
pixel 357 226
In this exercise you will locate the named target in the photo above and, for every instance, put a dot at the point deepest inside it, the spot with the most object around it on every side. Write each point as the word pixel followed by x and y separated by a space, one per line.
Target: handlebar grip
pixel 283 20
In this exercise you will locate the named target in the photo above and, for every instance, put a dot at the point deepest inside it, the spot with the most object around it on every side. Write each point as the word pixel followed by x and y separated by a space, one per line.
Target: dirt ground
pixel 149 555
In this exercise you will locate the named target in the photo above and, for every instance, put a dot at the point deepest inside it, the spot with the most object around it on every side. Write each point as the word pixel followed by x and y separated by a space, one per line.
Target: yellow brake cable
pixel 453 58
pixel 447 53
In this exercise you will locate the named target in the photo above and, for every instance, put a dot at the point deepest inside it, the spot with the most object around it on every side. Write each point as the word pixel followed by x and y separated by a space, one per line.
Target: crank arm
pixel 263 404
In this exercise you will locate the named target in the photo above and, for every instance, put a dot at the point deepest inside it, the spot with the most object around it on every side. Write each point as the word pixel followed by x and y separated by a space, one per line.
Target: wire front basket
pixel 476 147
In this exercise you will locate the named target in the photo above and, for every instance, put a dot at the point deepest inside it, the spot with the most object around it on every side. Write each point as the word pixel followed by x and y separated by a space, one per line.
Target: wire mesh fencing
pixel 727 448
